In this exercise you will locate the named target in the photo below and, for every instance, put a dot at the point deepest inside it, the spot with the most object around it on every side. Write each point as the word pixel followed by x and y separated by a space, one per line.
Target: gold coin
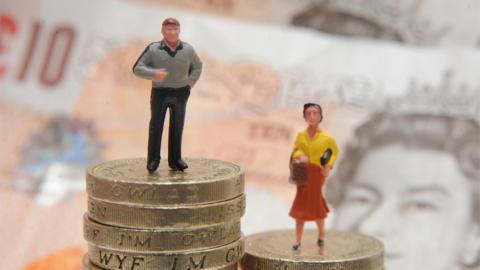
pixel 128 181
pixel 151 217
pixel 87 265
pixel 218 257
pixel 342 250
pixel 160 239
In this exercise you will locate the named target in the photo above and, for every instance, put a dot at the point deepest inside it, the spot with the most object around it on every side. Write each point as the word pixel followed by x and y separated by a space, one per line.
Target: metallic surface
pixel 342 250
pixel 180 216
pixel 128 181
pixel 87 265
pixel 218 257
pixel 161 239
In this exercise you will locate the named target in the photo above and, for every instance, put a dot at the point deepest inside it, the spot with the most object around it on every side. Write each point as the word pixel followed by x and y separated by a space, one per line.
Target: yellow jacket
pixel 315 148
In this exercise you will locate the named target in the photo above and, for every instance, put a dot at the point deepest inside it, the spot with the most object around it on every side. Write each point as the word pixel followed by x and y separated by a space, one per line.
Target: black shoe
pixel 178 165
pixel 320 242
pixel 296 247
pixel 153 165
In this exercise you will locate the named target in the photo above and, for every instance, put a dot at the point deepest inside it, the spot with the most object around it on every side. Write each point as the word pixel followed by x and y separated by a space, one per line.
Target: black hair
pixel 308 105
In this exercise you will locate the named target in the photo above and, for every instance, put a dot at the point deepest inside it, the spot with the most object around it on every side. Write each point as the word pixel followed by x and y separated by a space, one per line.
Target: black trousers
pixel 174 99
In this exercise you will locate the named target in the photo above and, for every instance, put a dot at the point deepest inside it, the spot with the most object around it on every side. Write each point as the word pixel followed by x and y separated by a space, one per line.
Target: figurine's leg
pixel 158 108
pixel 177 120
pixel 299 224
pixel 321 231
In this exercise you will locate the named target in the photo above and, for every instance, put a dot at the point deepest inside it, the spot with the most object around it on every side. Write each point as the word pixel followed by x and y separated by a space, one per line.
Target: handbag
pixel 298 171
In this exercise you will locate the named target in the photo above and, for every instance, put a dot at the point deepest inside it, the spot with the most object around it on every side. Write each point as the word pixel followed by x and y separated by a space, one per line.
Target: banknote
pixel 278 11
pixel 69 100
pixel 443 23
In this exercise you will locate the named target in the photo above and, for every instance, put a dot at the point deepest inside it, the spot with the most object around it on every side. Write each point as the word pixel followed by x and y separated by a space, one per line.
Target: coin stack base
pixel 341 250
pixel 164 220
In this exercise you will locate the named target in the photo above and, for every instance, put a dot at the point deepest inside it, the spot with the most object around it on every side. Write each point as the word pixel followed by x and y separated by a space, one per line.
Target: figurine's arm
pixel 296 148
pixel 195 69
pixel 333 145
pixel 143 66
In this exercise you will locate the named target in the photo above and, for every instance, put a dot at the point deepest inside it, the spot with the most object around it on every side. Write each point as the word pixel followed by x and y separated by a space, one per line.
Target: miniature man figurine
pixel 173 67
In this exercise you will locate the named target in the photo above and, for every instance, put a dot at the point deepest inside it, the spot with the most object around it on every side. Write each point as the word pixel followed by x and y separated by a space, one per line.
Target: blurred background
pixel 398 82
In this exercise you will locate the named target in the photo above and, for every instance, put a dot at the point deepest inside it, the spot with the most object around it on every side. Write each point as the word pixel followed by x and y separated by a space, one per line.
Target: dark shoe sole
pixel 153 166
pixel 177 167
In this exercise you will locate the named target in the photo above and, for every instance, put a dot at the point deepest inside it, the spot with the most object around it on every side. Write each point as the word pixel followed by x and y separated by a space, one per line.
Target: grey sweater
pixel 183 65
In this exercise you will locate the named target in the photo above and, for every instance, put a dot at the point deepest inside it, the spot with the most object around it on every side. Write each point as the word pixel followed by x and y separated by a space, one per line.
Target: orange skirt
pixel 309 203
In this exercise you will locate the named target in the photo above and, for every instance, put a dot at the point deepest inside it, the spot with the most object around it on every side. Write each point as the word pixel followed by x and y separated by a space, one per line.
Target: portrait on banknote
pixel 411 180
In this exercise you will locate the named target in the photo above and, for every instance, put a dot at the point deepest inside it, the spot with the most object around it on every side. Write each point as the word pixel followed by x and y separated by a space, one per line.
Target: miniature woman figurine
pixel 318 150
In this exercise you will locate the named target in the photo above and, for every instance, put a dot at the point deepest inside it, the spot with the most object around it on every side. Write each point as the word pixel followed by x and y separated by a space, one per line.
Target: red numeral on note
pixel 8 29
pixel 59 49
pixel 55 58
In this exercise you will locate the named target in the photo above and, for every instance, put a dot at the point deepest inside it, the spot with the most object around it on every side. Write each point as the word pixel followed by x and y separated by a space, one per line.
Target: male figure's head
pixel 171 31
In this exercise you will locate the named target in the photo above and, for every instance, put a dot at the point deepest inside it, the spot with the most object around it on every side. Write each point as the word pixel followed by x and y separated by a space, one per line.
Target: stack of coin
pixel 164 220
pixel 342 250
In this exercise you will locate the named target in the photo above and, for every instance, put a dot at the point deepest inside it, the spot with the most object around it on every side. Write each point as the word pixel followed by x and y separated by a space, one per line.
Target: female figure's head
pixel 312 113
pixel 413 181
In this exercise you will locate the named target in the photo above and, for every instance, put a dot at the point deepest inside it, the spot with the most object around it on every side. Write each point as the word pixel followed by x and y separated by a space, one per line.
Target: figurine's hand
pixel 303 158
pixel 160 74
pixel 325 171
